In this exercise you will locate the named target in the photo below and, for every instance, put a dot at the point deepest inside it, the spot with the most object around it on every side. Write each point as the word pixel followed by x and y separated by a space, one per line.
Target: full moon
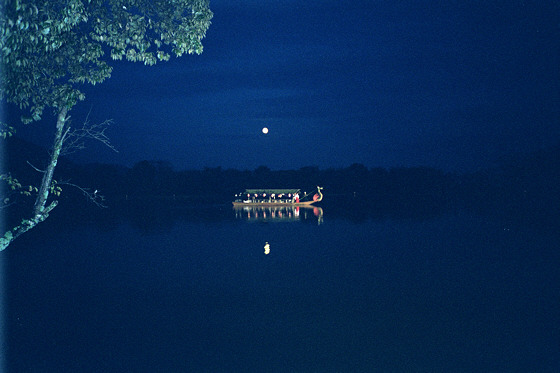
pixel 265 130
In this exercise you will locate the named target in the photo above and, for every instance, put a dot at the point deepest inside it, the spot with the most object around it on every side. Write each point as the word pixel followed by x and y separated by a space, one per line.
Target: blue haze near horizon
pixel 455 292
pixel 451 85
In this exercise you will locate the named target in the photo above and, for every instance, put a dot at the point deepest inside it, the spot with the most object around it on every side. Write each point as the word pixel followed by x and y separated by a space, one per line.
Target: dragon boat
pixel 277 197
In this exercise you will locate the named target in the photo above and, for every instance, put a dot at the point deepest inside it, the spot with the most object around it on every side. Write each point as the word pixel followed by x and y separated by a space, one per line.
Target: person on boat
pixel 296 197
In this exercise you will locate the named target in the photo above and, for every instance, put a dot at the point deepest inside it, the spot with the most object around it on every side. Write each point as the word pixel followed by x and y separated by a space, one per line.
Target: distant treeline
pixel 531 183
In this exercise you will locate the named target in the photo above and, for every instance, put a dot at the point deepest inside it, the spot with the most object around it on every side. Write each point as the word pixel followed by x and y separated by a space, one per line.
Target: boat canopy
pixel 271 191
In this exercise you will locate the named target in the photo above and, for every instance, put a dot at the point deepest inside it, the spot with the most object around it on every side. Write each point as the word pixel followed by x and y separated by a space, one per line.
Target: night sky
pixel 456 85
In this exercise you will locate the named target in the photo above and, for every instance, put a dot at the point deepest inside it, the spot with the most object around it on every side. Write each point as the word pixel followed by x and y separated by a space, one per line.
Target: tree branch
pixel 74 139
pixel 94 196
pixel 35 168
pixel 25 226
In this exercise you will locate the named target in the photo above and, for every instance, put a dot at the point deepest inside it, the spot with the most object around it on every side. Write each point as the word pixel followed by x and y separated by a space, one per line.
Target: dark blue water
pixel 457 292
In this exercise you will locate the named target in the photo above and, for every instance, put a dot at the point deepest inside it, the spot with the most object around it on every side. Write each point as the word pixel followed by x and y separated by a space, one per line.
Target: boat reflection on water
pixel 279 213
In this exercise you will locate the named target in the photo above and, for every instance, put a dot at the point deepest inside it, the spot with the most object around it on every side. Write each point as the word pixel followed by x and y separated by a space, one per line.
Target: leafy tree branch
pixel 50 49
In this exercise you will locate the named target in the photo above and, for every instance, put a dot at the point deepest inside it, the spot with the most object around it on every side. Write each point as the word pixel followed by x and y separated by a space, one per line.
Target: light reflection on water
pixel 451 293
pixel 279 214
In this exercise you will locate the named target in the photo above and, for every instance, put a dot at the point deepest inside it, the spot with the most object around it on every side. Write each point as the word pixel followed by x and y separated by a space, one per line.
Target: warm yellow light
pixel 265 130
pixel 266 248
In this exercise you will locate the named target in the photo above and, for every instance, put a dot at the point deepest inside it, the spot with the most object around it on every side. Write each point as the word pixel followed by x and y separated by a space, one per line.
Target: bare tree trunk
pixel 43 195
pixel 40 209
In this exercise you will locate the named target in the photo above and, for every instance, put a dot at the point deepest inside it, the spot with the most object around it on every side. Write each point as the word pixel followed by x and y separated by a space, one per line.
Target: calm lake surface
pixel 336 292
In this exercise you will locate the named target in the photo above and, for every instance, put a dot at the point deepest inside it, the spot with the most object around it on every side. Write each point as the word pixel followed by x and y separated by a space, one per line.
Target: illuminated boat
pixel 277 197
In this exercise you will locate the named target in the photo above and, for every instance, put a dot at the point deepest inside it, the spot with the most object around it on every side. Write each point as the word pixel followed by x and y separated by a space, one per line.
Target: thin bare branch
pixel 93 197
pixel 35 168
pixel 6 204
pixel 74 139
